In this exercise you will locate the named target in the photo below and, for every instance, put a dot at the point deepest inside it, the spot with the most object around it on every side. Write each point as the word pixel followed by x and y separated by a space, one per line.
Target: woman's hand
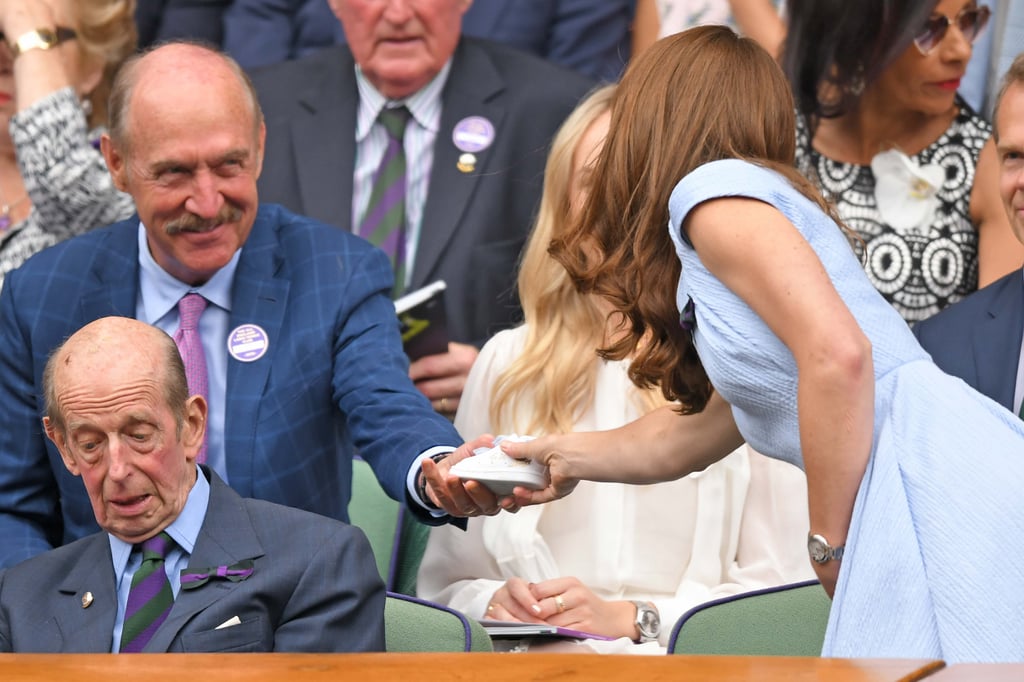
pixel 551 452
pixel 564 602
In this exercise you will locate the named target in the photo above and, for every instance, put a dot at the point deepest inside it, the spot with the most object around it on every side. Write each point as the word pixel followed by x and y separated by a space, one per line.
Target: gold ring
pixel 444 405
pixel 560 603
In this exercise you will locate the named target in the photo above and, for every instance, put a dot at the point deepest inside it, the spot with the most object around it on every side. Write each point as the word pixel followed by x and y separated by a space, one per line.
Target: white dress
pixel 738 526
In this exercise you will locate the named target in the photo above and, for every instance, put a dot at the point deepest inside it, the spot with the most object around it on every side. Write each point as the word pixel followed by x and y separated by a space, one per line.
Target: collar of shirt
pixel 424 104
pixel 184 530
pixel 160 292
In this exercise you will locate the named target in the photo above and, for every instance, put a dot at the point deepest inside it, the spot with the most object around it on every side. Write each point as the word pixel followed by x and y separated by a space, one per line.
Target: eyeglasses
pixel 971 21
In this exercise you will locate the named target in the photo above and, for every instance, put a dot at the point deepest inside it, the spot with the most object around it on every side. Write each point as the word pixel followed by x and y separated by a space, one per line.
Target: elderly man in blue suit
pixel 298 335
pixel 981 338
pixel 480 118
pixel 184 563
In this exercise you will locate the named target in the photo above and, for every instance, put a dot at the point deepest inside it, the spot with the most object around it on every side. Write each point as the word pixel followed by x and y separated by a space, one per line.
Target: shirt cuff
pixel 414 470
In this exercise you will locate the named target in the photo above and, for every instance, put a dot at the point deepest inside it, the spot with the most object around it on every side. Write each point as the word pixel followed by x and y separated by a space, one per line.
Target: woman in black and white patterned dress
pixel 882 132
pixel 56 64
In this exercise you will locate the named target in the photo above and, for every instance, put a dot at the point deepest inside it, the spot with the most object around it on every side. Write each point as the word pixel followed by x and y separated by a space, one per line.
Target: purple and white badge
pixel 248 343
pixel 473 134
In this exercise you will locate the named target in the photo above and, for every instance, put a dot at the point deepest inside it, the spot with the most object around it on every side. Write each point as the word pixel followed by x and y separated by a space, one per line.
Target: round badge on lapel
pixel 473 134
pixel 248 342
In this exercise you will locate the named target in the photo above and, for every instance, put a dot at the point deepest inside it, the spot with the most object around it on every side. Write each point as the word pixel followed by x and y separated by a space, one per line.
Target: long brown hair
pixel 691 98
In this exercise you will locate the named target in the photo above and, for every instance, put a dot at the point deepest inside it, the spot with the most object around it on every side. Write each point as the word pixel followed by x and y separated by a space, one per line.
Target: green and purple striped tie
pixel 150 598
pixel 383 223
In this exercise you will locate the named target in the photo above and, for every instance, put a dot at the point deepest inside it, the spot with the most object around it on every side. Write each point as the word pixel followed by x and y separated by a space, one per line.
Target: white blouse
pixel 737 526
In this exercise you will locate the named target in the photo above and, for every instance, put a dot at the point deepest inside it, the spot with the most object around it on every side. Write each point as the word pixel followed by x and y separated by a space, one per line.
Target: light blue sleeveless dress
pixel 934 563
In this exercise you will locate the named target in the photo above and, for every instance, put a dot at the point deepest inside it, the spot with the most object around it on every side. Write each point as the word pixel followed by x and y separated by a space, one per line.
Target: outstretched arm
pixel 660 446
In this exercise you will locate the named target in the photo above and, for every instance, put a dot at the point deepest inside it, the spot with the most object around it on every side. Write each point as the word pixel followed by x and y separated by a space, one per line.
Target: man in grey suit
pixel 237 574
pixel 981 338
pixel 482 117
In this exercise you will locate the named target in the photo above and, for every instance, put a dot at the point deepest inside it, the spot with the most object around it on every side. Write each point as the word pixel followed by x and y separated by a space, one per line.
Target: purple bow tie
pixel 235 572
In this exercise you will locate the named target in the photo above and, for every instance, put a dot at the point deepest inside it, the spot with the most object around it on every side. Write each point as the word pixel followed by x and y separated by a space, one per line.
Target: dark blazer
pixel 314 587
pixel 474 224
pixel 159 20
pixel 588 36
pixel 334 373
pixel 978 339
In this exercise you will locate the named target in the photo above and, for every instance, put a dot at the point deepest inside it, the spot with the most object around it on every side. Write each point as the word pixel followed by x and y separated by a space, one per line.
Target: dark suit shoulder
pixel 532 77
pixel 299 234
pixel 960 318
pixel 82 247
pixel 277 524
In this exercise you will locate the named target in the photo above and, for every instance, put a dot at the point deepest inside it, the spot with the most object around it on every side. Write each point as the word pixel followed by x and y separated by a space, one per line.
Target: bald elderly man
pixel 182 563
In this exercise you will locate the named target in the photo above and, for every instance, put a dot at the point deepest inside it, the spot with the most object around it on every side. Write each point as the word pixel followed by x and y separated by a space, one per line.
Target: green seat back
pixel 414 625
pixel 785 621
pixel 376 514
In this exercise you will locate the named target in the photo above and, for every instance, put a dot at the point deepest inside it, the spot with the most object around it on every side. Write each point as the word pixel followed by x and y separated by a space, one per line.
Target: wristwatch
pixel 40 39
pixel 648 622
pixel 821 552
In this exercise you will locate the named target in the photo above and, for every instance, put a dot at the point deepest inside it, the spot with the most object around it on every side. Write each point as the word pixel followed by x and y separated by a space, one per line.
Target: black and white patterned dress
pixel 922 269
pixel 65 176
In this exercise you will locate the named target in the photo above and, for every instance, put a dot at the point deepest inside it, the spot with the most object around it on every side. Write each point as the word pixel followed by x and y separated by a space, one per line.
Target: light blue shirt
pixel 420 136
pixel 1018 389
pixel 184 531
pixel 157 305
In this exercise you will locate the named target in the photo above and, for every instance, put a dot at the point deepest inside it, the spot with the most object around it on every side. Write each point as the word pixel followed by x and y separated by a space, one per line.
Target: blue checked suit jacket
pixel 978 339
pixel 314 587
pixel 334 374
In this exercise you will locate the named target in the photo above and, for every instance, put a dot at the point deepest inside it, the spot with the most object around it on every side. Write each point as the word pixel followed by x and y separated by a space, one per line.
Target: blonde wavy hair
pixel 557 371
pixel 106 35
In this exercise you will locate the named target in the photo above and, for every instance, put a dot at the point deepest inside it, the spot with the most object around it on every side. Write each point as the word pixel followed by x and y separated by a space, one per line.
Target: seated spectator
pixel 884 135
pixel 981 338
pixel 759 19
pixel 58 59
pixel 735 527
pixel 183 563
pixel 589 37
pixel 478 118
pixel 288 323
pixel 163 20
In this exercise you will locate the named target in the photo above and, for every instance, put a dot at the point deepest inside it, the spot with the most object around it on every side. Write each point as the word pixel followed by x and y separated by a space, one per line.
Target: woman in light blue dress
pixel 775 335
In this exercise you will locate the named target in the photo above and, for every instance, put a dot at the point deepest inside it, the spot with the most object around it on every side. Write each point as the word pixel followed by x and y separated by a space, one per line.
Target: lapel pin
pixel 467 162
pixel 87 600
pixel 472 135
pixel 248 342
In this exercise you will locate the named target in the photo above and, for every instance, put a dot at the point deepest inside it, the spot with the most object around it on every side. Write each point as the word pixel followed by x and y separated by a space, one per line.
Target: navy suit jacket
pixel 589 36
pixel 314 587
pixel 334 373
pixel 159 20
pixel 474 224
pixel 978 338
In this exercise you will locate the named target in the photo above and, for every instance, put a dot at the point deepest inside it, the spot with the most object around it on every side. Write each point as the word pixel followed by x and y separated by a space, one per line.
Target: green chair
pixel 415 625
pixel 376 514
pixel 396 537
pixel 788 620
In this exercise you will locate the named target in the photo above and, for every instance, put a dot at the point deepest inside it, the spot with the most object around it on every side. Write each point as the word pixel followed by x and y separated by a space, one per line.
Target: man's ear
pixel 194 426
pixel 57 436
pixel 115 162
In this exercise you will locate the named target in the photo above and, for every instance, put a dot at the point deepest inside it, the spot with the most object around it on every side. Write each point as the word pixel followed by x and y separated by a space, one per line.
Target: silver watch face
pixel 648 621
pixel 818 548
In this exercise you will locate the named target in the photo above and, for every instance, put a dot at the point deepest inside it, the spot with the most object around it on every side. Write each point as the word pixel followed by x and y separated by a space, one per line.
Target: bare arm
pixel 742 241
pixel 646 25
pixel 660 446
pixel 760 20
pixel 999 252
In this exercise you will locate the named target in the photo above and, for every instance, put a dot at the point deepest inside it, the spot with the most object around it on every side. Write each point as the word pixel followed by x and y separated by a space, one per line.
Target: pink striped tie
pixel 190 345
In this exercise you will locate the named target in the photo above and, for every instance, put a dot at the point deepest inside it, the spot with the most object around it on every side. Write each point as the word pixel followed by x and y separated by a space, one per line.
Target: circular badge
pixel 473 134
pixel 248 343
